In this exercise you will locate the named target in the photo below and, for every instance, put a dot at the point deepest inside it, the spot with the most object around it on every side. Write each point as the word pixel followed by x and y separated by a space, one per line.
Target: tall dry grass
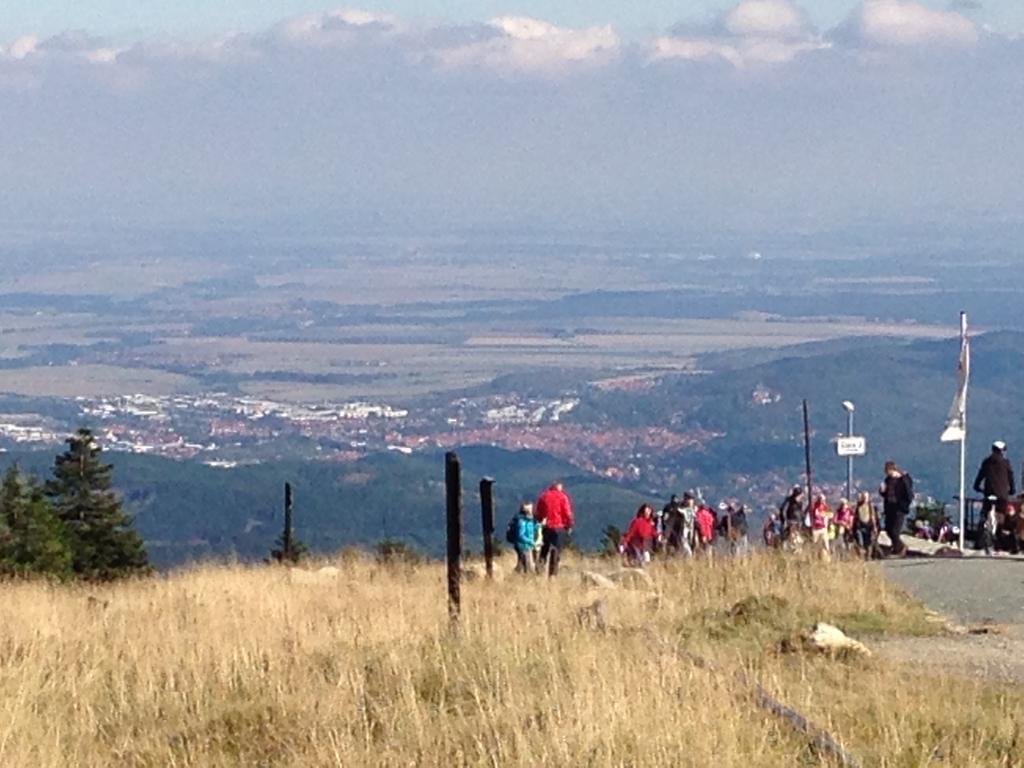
pixel 235 666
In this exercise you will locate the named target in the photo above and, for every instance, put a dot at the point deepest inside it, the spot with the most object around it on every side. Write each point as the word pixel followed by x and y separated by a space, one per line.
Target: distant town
pixel 223 430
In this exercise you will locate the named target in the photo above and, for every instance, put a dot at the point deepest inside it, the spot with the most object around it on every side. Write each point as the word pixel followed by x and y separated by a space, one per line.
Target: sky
pixel 756 113
pixel 127 18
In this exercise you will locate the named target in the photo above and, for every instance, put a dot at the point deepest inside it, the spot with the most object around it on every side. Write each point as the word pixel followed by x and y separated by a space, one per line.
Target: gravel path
pixel 971 590
pixel 974 592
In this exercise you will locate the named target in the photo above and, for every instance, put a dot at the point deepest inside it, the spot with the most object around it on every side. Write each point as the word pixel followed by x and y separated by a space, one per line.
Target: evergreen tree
pixel 103 543
pixel 33 542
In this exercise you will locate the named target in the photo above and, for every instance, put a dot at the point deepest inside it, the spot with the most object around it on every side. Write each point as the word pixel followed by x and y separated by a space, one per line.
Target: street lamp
pixel 849 408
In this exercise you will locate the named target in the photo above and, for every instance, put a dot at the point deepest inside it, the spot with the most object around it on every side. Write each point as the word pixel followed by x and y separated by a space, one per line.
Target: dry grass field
pixel 259 666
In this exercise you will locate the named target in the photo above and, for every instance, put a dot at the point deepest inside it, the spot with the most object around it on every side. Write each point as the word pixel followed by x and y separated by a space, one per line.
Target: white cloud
pixel 101 55
pixel 519 44
pixel 23 46
pixel 895 23
pixel 766 18
pixel 332 28
pixel 754 33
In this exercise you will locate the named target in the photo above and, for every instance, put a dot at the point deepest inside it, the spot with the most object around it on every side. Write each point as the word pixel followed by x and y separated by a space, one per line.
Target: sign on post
pixel 851 446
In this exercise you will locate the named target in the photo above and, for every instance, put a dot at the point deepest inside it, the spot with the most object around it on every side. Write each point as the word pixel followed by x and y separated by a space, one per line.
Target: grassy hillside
pixel 260 666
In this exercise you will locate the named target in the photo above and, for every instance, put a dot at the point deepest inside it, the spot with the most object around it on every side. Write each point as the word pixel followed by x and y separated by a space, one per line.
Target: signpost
pixel 851 446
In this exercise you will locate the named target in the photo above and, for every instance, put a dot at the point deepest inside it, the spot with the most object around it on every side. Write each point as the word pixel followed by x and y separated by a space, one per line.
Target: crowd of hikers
pixel 691 527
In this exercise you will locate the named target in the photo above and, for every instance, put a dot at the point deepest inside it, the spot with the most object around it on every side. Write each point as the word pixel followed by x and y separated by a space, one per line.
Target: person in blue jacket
pixel 526 535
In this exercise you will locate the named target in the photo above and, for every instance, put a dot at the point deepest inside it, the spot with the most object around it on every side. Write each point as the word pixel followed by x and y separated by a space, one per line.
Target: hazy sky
pixel 761 113
pixel 192 17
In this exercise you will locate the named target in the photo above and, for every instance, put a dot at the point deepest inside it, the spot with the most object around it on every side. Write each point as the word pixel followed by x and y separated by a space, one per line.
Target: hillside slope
pixel 187 511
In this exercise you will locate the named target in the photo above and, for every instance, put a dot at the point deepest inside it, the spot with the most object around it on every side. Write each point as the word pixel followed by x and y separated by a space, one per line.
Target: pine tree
pixel 35 542
pixel 103 543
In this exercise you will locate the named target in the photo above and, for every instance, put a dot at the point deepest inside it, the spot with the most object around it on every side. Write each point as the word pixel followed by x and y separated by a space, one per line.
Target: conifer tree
pixel 103 543
pixel 35 541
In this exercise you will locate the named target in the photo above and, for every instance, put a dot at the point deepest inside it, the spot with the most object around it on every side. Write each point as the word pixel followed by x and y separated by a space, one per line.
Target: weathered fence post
pixel 286 537
pixel 487 521
pixel 453 487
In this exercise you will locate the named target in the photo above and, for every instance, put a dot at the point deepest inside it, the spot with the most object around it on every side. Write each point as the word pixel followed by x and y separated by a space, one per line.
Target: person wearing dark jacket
pixel 791 512
pixel 897 492
pixel 995 482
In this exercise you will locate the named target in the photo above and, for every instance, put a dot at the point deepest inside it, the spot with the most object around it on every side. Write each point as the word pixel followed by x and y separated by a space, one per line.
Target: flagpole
pixel 963 440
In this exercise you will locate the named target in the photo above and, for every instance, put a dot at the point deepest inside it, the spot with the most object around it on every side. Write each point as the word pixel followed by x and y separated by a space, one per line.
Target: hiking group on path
pixel 690 527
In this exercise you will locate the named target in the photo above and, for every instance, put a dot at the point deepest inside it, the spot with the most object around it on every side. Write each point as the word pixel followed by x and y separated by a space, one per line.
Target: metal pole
pixel 807 454
pixel 963 470
pixel 487 521
pixel 963 438
pixel 849 459
pixel 453 488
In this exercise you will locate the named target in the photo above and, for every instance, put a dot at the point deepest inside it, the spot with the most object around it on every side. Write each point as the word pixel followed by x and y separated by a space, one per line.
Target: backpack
pixel 512 531
pixel 908 487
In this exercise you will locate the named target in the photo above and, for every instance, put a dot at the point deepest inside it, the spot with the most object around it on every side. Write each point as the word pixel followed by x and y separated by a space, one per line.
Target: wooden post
pixel 487 522
pixel 286 537
pixel 807 455
pixel 453 486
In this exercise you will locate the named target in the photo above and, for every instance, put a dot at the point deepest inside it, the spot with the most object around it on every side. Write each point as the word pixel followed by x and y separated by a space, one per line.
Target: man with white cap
pixel 995 482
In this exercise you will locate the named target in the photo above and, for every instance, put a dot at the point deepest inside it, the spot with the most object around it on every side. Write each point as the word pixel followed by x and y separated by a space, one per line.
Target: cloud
pixel 520 44
pixel 373 117
pixel 766 18
pixel 753 33
pixel 23 46
pixel 895 24
pixel 332 28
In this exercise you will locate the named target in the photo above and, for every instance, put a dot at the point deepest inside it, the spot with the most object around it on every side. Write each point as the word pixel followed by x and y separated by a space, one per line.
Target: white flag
pixel 956 421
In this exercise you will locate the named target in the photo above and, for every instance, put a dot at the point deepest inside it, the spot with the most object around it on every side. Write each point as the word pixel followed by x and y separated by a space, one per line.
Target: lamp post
pixel 849 408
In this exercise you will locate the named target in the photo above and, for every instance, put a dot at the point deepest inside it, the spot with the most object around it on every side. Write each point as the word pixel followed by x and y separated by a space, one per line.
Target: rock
pixel 830 639
pixel 594 616
pixel 329 572
pixel 591 579
pixel 632 578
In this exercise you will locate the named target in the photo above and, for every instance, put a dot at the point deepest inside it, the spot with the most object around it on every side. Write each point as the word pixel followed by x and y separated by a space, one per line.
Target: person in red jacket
pixel 705 525
pixel 553 511
pixel 642 532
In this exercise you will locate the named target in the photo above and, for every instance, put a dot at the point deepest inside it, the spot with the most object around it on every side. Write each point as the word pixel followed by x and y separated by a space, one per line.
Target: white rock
pixel 828 638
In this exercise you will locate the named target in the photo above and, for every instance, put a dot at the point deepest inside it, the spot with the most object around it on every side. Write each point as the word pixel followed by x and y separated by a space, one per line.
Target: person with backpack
pixel 639 537
pixel 732 527
pixel 521 534
pixel 791 513
pixel 897 492
pixel 554 512
pixel 865 525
